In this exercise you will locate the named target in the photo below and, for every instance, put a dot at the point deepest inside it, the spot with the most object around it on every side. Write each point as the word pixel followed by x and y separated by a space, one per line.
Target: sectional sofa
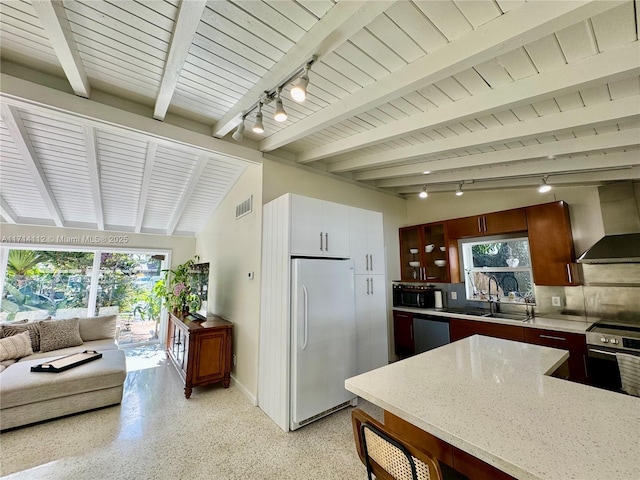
pixel 27 397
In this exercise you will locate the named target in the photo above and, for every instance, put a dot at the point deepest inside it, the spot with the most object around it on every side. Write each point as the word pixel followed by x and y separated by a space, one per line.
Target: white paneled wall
pixel 274 361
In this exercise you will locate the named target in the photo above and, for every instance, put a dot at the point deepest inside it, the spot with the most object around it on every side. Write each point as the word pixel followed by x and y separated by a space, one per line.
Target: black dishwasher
pixel 429 332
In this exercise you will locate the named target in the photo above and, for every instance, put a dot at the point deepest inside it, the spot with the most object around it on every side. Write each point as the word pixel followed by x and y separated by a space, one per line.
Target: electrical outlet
pixel 454 295
pixel 556 301
pixel 235 360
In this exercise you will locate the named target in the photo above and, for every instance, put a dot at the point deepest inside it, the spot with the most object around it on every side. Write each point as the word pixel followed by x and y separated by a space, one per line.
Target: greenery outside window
pixel 502 265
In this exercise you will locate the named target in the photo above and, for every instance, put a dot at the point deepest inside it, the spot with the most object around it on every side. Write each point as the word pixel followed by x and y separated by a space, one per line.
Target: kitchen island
pixel 494 400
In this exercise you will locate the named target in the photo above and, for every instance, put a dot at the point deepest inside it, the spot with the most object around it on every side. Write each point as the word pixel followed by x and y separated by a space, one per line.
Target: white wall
pixel 182 248
pixel 232 248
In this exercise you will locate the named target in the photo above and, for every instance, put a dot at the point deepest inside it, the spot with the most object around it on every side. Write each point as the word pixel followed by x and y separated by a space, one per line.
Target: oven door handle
pixel 594 350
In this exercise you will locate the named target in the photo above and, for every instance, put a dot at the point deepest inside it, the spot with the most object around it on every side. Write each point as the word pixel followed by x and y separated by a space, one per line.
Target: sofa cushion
pixel 21 386
pixel 97 345
pixel 56 334
pixel 98 328
pixel 15 346
pixel 32 328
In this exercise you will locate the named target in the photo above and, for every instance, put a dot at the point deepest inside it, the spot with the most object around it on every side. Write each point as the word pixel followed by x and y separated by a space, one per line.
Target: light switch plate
pixel 556 301
pixel 454 295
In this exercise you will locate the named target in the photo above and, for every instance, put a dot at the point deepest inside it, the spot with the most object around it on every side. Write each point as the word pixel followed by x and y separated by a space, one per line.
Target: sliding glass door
pixel 40 283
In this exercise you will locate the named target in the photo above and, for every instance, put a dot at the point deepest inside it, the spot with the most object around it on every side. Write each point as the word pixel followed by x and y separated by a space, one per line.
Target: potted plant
pixel 176 290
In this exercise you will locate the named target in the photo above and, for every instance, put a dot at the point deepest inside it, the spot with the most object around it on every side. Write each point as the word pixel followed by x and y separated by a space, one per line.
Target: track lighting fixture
pixel 459 191
pixel 279 115
pixel 237 135
pixel 298 93
pixel 423 193
pixel 544 187
pixel 258 127
pixel 299 90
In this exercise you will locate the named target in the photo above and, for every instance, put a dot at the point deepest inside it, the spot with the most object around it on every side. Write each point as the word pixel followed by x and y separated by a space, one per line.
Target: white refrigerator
pixel 323 337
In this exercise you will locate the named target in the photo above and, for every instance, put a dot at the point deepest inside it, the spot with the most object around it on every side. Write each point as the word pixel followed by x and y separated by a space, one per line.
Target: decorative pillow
pixel 15 346
pixel 32 328
pixel 56 334
pixel 98 328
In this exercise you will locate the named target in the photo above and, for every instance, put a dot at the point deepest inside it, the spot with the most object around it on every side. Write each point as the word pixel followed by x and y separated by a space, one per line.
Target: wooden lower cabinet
pixel 200 350
pixel 403 334
pixel 459 328
pixel 453 457
pixel 575 343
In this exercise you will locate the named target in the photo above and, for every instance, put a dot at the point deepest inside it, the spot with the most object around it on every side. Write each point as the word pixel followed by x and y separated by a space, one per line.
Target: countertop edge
pixel 541 322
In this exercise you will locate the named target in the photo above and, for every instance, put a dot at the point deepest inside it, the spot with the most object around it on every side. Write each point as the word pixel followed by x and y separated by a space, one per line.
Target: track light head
pixel 279 115
pixel 238 134
pixel 459 191
pixel 423 193
pixel 544 187
pixel 258 127
pixel 299 90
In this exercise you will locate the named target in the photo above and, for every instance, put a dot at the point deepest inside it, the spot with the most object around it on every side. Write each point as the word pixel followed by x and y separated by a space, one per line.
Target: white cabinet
pixel 372 349
pixel 366 236
pixel 319 228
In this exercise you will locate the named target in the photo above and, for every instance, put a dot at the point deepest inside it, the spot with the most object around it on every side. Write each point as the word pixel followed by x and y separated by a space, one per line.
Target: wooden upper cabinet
pixel 507 221
pixel 420 247
pixel 551 245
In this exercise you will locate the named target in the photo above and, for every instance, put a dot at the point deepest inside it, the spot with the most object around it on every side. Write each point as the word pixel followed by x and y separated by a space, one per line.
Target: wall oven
pixel 604 340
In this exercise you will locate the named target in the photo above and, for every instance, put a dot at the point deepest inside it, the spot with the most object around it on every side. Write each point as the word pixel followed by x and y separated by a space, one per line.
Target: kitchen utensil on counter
pixel 440 263
pixel 429 248
pixel 438 299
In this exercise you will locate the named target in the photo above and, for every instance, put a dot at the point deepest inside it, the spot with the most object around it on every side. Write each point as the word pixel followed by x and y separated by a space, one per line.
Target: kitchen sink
pixel 483 313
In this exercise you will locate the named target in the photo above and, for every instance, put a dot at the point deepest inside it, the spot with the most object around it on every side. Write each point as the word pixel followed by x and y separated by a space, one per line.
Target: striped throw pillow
pixel 15 346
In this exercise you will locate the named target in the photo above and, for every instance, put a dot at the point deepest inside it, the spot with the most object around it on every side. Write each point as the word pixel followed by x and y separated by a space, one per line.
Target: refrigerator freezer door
pixel 323 346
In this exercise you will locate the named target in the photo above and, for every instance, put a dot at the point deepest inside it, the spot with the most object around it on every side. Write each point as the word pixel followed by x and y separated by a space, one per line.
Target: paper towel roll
pixel 438 296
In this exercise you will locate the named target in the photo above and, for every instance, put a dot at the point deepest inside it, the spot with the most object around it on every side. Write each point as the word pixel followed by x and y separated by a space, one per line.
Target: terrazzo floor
pixel 157 434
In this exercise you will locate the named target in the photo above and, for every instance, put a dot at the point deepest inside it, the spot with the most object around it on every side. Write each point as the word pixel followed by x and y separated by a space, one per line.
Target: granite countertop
pixel 561 323
pixel 493 399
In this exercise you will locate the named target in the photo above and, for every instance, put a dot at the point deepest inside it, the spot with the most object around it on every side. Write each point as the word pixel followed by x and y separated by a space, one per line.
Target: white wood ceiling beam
pixel 146 181
pixel 188 191
pixel 518 27
pixel 53 18
pixel 7 212
pixel 44 99
pixel 624 109
pixel 341 22
pixel 518 169
pixel 91 147
pixel 184 30
pixel 595 70
pixel 19 134
pixel 558 180
pixel 590 143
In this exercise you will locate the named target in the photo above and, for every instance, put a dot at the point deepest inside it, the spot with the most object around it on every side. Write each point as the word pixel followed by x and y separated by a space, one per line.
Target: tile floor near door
pixel 157 434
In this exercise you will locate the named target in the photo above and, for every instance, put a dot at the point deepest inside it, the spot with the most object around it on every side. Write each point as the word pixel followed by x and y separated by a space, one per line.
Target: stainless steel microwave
pixel 415 297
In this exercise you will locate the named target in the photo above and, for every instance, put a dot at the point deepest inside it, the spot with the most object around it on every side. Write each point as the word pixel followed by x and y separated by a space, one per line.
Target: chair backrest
pixel 387 456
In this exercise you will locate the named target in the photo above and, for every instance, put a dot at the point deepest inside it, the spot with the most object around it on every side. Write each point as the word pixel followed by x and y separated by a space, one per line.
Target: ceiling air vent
pixel 244 208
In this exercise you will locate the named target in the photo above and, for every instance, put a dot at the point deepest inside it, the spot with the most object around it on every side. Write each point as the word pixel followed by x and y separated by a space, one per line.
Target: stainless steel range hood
pixel 620 205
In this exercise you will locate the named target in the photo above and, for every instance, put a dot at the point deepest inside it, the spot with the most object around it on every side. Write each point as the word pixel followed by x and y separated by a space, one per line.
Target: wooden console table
pixel 200 350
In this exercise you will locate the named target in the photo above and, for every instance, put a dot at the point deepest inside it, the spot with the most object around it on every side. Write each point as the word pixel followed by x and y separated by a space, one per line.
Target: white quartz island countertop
pixel 493 399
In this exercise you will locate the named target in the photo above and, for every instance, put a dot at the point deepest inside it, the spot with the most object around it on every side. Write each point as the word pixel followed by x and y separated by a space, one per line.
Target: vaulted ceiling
pixel 487 93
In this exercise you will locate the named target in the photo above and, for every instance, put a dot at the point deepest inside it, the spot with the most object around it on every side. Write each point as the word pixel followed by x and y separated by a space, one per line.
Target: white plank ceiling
pixel 488 93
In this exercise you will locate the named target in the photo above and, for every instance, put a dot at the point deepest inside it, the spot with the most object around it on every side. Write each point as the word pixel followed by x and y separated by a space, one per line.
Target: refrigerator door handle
pixel 326 242
pixel 320 241
pixel 306 316
pixel 372 286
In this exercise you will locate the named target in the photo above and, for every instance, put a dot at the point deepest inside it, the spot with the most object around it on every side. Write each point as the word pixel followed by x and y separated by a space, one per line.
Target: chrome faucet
pixel 494 307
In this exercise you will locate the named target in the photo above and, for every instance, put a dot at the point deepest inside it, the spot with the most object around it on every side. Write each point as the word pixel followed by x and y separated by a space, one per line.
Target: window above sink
pixel 498 269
